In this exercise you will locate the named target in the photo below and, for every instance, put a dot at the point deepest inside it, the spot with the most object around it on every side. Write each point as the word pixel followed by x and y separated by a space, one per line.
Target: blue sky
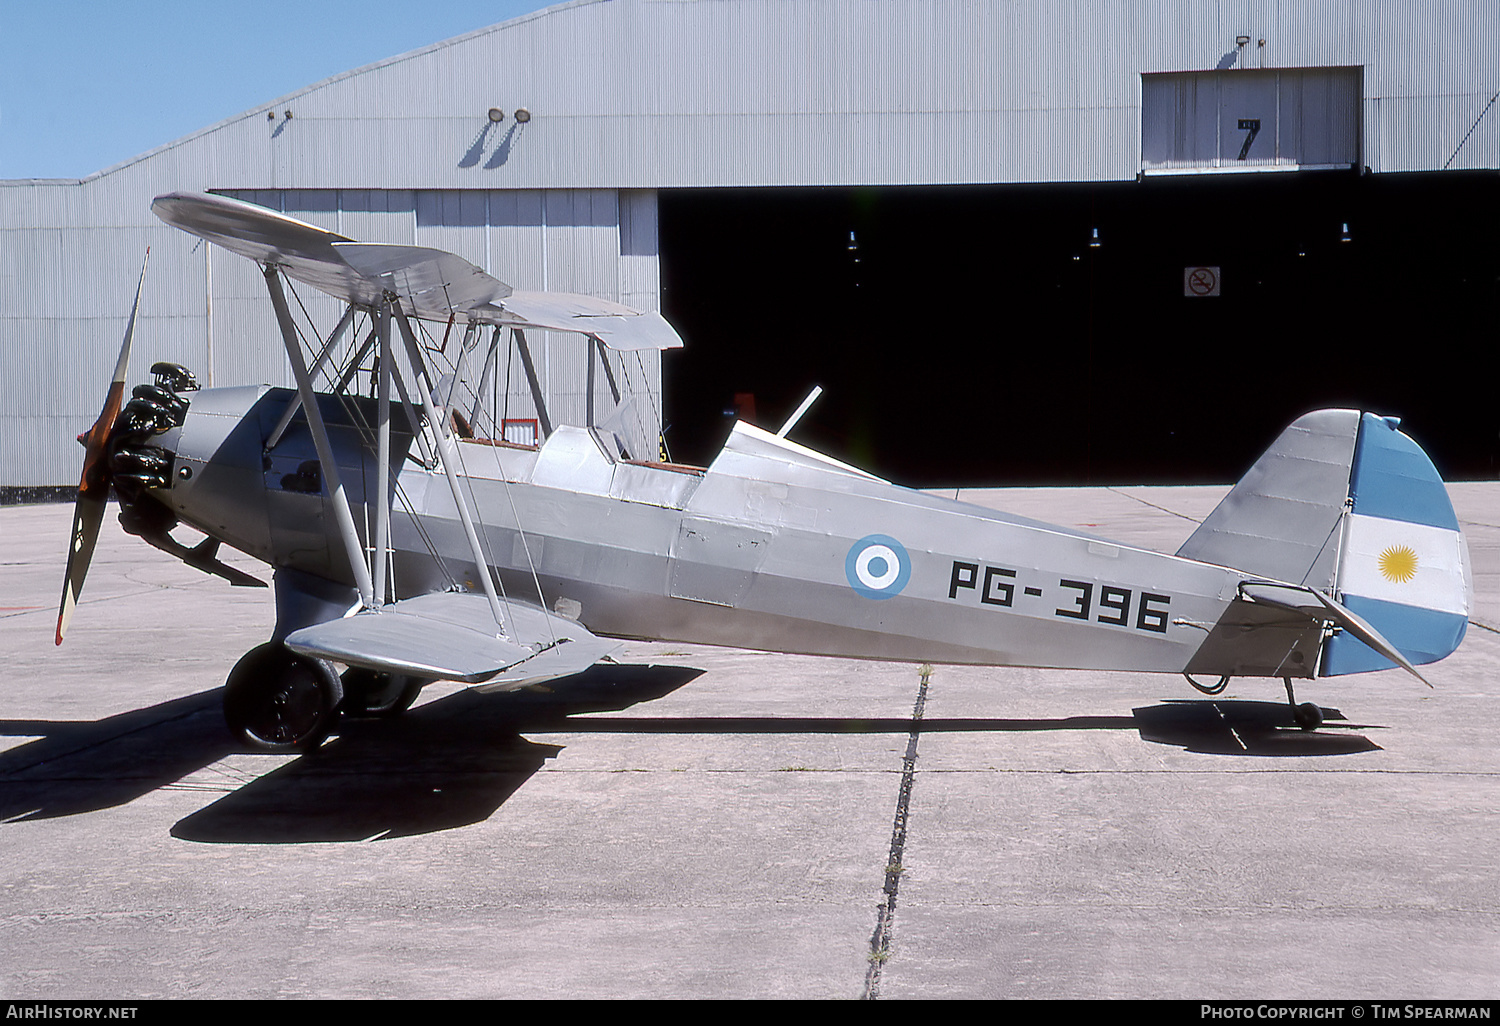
pixel 86 84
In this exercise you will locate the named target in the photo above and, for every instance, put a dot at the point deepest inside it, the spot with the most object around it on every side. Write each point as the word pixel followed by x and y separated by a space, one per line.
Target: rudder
pixel 1403 564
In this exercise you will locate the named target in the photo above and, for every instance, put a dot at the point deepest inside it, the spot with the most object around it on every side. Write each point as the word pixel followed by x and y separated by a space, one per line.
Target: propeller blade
pixel 93 485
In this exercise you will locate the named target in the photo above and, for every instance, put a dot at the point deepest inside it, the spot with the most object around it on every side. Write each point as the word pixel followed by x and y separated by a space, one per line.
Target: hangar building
pixel 1016 241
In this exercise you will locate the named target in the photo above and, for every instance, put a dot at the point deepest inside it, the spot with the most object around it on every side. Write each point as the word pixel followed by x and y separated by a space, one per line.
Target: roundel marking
pixel 877 566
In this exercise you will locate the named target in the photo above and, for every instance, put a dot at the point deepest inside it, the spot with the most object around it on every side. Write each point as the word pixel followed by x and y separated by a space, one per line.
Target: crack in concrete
pixel 880 941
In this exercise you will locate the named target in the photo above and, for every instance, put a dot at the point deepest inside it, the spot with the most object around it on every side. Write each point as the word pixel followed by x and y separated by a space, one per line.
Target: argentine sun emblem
pixel 1398 563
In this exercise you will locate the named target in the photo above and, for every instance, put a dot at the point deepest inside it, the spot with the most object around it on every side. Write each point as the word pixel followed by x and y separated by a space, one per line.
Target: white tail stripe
pixel 1413 564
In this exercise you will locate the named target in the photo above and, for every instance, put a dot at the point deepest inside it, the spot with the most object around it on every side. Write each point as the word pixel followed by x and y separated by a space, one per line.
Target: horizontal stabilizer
pixel 1314 604
pixel 453 636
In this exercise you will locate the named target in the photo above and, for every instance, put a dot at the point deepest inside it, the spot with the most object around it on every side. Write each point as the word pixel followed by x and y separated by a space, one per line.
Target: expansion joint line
pixel 885 913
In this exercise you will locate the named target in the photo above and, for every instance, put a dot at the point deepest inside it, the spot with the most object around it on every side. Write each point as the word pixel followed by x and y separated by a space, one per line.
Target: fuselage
pixel 771 547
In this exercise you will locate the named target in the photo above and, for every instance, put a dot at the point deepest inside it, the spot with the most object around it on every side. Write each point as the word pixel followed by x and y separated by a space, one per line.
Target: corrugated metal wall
pixel 653 94
pixel 65 314
pixel 631 96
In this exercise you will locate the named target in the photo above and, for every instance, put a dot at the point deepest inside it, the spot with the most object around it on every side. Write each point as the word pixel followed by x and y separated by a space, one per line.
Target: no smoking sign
pixel 1200 281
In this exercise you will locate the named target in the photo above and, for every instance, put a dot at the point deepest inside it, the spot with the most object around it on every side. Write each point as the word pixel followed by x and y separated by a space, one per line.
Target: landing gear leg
pixel 367 693
pixel 278 701
pixel 1307 715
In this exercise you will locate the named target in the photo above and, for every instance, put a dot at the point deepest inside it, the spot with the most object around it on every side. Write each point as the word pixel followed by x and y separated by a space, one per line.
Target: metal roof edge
pixel 14 182
pixel 258 108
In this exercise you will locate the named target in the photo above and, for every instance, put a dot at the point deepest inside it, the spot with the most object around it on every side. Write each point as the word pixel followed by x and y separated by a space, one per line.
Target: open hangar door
pixel 1035 334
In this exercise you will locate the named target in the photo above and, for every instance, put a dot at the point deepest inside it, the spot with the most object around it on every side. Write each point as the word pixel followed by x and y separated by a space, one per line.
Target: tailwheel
pixel 371 693
pixel 1307 715
pixel 278 701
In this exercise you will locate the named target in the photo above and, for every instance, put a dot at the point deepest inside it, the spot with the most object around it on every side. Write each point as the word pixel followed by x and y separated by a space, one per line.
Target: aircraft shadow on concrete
pixel 445 764
pixel 1208 727
pixel 455 761
pixel 84 766
pixel 1248 728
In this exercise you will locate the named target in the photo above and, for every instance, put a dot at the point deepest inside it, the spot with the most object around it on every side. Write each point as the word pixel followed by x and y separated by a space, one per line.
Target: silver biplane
pixel 411 542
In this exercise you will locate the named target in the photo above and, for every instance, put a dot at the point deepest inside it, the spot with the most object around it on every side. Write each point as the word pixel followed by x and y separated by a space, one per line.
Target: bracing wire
pixel 369 443
pixel 367 434
pixel 311 324
pixel 486 550
pixel 301 335
pixel 516 517
pixel 645 386
pixel 484 540
pixel 367 437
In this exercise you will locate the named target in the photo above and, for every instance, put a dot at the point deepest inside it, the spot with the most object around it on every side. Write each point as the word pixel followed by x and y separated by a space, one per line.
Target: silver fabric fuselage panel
pixel 775 548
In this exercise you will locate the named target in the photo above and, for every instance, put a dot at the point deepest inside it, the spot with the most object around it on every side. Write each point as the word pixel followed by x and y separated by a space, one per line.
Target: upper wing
pixel 618 327
pixel 432 284
pixel 265 236
pixel 453 636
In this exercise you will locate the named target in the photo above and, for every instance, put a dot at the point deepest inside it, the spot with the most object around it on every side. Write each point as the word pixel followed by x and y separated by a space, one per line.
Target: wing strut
pixel 383 452
pixel 536 387
pixel 609 376
pixel 486 382
pixel 320 439
pixel 296 403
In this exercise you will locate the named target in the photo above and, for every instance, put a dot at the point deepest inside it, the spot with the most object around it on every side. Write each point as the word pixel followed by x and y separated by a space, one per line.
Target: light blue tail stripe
pixel 1422 635
pixel 1394 479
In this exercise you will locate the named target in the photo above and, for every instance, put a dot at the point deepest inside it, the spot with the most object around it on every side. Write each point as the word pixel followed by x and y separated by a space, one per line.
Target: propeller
pixel 93 486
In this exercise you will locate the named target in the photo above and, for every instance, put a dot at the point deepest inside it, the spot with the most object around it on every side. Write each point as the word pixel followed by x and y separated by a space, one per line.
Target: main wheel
pixel 278 701
pixel 371 693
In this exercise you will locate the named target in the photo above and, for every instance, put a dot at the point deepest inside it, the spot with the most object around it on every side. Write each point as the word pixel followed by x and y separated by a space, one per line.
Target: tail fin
pixel 1283 520
pixel 1404 565
pixel 1346 504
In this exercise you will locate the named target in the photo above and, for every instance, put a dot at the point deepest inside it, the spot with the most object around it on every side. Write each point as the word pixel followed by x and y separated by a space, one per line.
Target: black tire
pixel 278 701
pixel 1308 716
pixel 371 693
